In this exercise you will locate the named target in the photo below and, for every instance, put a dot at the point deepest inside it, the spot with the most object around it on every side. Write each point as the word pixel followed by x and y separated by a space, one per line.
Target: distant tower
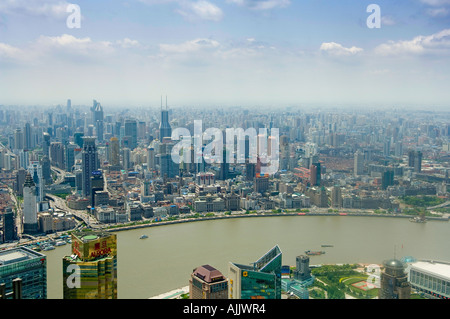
pixel 164 127
pixel 114 150
pixel 415 160
pixel 98 121
pixel 358 163
pixel 30 222
pixel 89 164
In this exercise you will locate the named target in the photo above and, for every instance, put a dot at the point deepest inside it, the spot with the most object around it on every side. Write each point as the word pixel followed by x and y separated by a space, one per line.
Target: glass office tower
pixel 261 280
pixel 91 271
pixel 28 265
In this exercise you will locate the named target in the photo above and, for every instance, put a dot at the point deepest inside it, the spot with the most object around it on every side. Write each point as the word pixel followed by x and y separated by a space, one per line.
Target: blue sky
pixel 226 52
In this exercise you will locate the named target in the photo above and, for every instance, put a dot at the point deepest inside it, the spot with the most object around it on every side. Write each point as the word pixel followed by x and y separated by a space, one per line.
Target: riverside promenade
pixel 146 224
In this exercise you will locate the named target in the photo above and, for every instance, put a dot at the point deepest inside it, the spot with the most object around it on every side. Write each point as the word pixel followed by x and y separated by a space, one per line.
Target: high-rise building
pixel 250 171
pixel 261 280
pixel 46 144
pixel 89 164
pixel 394 281
pixel 20 180
pixel 164 126
pixel 131 132
pixel 358 168
pixel 261 184
pixel 224 167
pixel 387 179
pixel 336 197
pixel 302 271
pixel 114 152
pixel 78 138
pixel 18 139
pixel 415 160
pixel 28 265
pixel 57 154
pixel 27 141
pixel 35 170
pixel 315 174
pixel 46 169
pixel 9 226
pixel 30 222
pixel 70 154
pixel 151 159
pixel 94 257
pixel 126 158
pixel 98 121
pixel 207 282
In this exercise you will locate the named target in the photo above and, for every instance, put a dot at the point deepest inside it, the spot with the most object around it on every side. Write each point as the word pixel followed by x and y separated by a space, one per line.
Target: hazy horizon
pixel 276 53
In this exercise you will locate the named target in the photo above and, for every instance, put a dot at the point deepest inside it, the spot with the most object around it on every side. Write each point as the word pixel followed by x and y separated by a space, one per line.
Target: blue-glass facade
pixel 262 280
pixel 28 265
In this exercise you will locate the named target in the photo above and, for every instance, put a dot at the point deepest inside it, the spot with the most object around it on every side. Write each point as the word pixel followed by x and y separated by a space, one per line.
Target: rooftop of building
pixel 208 273
pixel 89 236
pixel 18 254
pixel 441 269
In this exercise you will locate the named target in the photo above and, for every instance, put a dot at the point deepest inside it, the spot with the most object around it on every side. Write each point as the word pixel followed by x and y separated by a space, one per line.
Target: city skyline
pixel 226 53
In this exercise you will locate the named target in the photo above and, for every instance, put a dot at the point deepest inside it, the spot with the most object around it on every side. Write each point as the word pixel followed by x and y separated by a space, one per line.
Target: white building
pixel 431 278
pixel 30 222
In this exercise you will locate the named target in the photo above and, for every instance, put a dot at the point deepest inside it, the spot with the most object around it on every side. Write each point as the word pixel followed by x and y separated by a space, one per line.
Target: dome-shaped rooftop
pixel 393 263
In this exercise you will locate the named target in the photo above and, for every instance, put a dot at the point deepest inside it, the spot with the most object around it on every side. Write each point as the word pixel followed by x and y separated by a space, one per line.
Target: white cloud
pixel 336 49
pixel 189 46
pixel 192 10
pixel 437 8
pixel 262 4
pixel 203 10
pixel 431 44
pixel 47 8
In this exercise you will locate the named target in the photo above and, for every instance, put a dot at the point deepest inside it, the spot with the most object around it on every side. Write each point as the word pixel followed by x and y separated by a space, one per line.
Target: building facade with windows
pixel 28 265
pixel 262 280
pixel 432 278
pixel 94 257
pixel 207 282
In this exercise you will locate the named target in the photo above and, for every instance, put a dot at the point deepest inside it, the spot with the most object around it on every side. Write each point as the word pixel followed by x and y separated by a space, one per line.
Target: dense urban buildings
pixel 335 163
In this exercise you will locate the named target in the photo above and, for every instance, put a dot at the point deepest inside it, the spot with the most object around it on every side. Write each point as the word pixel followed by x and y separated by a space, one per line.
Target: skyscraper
pixel 35 170
pixel 302 271
pixel 98 121
pixel 261 280
pixel 89 164
pixel 27 141
pixel 28 265
pixel 130 131
pixel 9 226
pixel 415 160
pixel 208 283
pixel 94 256
pixel 164 127
pixel 394 281
pixel 30 222
pixel 114 151
pixel 358 163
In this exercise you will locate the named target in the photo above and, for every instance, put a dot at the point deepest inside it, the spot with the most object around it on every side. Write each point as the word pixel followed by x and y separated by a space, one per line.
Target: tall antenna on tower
pixel 166 102
pixel 161 102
